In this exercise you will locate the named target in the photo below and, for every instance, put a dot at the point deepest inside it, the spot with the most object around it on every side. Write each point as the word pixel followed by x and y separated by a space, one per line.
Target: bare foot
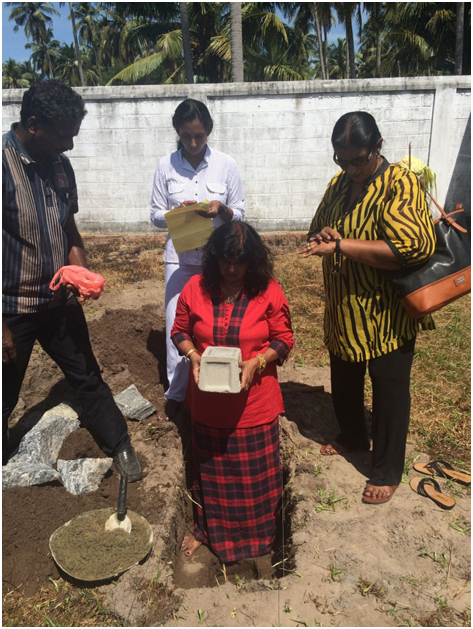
pixel 170 410
pixel 190 545
pixel 378 495
pixel 333 448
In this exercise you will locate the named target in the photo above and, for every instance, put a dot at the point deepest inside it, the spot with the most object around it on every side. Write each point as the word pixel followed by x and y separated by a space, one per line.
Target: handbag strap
pixel 445 217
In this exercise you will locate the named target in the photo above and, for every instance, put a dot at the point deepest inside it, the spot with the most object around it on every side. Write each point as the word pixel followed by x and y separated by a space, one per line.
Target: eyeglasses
pixel 356 161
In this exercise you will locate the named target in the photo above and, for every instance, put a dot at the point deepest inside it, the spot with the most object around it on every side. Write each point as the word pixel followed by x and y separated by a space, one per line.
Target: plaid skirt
pixel 238 488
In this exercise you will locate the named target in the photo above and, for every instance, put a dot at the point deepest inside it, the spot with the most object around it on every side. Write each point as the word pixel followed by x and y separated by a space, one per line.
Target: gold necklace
pixel 230 299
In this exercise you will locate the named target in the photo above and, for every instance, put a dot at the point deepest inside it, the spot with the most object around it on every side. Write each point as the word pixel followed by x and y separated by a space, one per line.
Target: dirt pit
pixel 337 561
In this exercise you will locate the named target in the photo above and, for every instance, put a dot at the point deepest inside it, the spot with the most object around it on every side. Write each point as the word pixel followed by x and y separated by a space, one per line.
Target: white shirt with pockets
pixel 175 181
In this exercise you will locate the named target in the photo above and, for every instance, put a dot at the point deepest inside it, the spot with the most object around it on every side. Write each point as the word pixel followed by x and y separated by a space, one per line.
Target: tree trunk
pixel 459 37
pixel 327 65
pixel 378 53
pixel 378 40
pixel 186 42
pixel 50 66
pixel 237 42
pixel 350 46
pixel 97 62
pixel 318 30
pixel 76 44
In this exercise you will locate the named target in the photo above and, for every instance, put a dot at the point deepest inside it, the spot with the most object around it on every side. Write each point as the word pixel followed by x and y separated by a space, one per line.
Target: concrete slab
pixel 219 371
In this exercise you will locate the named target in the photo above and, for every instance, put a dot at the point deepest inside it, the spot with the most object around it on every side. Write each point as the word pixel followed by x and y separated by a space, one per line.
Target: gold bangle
pixel 190 352
pixel 262 362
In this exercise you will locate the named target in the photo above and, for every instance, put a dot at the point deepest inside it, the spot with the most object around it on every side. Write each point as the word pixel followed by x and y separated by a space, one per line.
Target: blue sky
pixel 13 44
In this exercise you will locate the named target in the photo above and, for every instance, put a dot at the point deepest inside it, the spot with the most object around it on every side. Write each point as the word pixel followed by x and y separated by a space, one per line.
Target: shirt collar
pixel 382 169
pixel 203 163
pixel 24 156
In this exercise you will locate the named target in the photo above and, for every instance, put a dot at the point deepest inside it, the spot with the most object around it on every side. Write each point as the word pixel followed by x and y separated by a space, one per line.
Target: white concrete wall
pixel 279 134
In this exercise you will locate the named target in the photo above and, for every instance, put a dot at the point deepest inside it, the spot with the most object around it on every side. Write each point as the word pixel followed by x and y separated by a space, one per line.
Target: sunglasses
pixel 356 161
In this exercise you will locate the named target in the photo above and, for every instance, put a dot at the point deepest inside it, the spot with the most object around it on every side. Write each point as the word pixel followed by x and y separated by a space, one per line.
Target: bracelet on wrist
pixel 337 246
pixel 262 362
pixel 189 353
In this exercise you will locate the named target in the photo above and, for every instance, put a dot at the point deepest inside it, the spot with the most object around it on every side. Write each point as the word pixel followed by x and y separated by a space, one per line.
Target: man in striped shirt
pixel 39 237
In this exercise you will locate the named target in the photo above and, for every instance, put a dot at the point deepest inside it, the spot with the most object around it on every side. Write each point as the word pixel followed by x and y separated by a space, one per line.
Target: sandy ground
pixel 338 561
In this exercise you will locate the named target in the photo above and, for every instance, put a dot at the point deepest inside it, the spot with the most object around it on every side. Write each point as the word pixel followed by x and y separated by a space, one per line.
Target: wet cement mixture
pixel 88 552
pixel 338 562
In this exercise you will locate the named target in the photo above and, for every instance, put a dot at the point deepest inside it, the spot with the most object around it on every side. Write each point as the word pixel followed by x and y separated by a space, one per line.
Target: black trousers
pixel 390 378
pixel 62 333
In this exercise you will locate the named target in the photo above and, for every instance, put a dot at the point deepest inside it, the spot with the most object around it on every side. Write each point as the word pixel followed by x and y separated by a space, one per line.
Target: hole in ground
pixel 203 569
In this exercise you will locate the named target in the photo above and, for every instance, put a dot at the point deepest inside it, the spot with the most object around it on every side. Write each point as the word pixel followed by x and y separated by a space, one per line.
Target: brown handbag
pixel 444 277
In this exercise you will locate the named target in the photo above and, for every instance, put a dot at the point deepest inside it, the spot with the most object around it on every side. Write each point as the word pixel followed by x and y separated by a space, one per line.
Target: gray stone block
pixel 219 370
pixel 133 405
pixel 43 442
pixel 83 476
pixel 27 474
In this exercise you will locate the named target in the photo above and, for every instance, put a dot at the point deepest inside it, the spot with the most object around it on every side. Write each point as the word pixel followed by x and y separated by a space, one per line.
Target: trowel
pixel 119 519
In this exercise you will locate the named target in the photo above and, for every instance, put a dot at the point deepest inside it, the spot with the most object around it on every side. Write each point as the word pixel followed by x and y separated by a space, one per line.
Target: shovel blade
pixel 114 523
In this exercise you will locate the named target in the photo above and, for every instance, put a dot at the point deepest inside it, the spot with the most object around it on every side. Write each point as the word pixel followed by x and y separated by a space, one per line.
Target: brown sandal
pixel 442 468
pixel 429 488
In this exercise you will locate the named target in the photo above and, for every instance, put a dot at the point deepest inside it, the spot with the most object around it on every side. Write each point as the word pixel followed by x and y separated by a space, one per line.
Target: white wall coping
pixel 340 86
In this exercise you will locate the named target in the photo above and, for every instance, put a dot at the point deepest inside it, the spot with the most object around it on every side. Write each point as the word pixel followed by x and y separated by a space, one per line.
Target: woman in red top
pixel 236 302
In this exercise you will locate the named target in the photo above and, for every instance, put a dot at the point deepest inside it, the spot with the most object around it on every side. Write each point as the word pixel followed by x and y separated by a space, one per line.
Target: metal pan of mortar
pixel 85 551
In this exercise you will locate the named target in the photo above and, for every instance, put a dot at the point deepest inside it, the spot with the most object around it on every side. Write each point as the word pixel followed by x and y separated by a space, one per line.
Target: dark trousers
pixel 390 378
pixel 62 333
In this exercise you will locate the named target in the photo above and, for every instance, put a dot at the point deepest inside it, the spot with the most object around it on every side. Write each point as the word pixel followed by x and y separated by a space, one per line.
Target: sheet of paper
pixel 188 230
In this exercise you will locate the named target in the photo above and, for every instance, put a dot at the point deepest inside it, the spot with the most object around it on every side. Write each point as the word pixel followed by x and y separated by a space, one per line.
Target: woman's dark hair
pixel 356 128
pixel 188 111
pixel 239 241
pixel 52 102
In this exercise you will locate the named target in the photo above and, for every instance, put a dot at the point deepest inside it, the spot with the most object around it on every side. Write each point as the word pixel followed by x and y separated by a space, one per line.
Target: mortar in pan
pixel 85 549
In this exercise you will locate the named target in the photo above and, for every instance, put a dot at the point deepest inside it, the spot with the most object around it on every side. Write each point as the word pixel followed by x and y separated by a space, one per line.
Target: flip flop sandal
pixel 429 488
pixel 441 468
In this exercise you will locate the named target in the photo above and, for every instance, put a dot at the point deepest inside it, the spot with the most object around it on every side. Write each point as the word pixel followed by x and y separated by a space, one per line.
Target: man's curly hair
pixel 238 241
pixel 52 102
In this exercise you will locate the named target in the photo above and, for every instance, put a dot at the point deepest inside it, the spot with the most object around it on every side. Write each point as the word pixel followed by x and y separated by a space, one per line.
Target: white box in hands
pixel 219 370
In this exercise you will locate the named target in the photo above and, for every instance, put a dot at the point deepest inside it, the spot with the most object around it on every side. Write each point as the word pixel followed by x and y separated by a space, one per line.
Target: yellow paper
pixel 188 230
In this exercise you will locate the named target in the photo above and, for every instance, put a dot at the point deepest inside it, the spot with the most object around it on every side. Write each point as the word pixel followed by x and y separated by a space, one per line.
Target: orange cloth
pixel 89 284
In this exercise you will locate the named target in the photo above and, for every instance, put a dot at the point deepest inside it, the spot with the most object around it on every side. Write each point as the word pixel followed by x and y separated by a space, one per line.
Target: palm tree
pixel 377 18
pixel 274 59
pixel 87 15
pixel 318 30
pixel 460 25
pixel 186 42
pixel 76 43
pixel 165 36
pixel 16 75
pixel 33 17
pixel 237 42
pixel 421 38
pixel 67 68
pixel 303 15
pixel 345 12
pixel 337 59
pixel 45 54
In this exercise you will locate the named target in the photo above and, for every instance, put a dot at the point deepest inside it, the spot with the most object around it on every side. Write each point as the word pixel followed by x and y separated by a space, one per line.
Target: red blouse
pixel 253 325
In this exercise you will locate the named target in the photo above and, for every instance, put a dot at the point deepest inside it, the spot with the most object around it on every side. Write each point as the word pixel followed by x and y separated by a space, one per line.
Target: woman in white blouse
pixel 193 173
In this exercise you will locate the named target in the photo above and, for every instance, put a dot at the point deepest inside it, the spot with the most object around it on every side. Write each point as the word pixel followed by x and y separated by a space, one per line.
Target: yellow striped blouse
pixel 363 316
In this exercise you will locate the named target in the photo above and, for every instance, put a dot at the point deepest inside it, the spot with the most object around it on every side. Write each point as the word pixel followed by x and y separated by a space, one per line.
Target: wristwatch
pixel 337 246
pixel 222 209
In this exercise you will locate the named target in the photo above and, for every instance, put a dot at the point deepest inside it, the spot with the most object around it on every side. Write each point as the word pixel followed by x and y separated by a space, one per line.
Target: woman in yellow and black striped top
pixel 373 217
